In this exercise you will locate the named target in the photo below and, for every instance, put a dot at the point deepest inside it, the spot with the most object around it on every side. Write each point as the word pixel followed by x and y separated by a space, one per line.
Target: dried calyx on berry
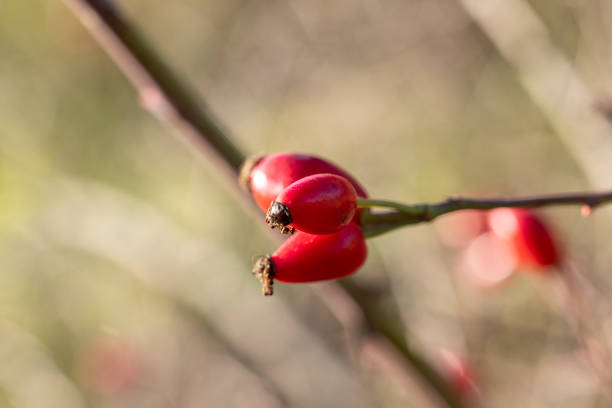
pixel 318 204
pixel 279 216
pixel 264 271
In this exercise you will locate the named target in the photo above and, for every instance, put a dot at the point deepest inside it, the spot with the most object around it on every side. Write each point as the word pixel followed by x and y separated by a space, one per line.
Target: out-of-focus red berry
pixel 318 204
pixel 487 261
pixel 530 237
pixel 272 174
pixel 308 258
pixel 459 375
pixel 459 228
pixel 109 366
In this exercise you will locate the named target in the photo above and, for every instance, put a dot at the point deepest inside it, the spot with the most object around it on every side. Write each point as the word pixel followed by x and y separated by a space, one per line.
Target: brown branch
pixel 581 315
pixel 160 91
pixel 166 97
pixel 375 224
pixel 550 79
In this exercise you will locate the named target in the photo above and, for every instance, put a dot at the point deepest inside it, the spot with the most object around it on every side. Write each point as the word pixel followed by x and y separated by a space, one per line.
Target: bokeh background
pixel 124 260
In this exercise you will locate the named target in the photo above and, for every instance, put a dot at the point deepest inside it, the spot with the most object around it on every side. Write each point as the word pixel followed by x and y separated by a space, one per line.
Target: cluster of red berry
pixel 493 245
pixel 497 242
pixel 315 201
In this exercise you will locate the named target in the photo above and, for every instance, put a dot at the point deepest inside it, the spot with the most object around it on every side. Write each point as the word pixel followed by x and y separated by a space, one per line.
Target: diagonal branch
pixel 166 97
pixel 551 80
pixel 160 91
pixel 405 214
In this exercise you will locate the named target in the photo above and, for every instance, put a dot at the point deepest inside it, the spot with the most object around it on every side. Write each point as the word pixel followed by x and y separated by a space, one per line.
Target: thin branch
pixel 160 90
pixel 404 214
pixel 384 323
pixel 582 122
pixel 581 315
pixel 551 80
pixel 166 97
pixel 204 324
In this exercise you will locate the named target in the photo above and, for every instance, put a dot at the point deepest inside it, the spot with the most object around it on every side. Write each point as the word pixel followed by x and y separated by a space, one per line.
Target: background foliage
pixel 112 232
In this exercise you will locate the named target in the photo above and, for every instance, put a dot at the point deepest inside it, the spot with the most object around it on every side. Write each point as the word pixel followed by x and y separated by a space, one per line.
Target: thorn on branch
pixel 586 210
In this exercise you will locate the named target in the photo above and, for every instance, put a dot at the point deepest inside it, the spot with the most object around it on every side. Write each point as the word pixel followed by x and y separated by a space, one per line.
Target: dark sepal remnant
pixel 264 271
pixel 279 216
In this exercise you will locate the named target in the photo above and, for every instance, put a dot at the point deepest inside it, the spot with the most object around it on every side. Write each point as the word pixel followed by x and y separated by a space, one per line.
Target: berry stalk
pixel 374 224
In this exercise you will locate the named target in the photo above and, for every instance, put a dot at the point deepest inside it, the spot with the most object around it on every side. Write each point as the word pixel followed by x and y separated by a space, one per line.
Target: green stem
pixel 401 215
pixel 405 208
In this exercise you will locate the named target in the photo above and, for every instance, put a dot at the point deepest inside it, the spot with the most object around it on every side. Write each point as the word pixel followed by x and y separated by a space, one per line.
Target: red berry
pixel 319 204
pixel 528 234
pixel 458 228
pixel 308 258
pixel 109 366
pixel 272 174
pixel 459 374
pixel 487 261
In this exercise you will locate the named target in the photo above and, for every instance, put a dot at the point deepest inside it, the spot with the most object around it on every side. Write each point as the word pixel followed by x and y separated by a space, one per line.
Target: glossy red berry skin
pixel 530 237
pixel 318 204
pixel 272 174
pixel 309 258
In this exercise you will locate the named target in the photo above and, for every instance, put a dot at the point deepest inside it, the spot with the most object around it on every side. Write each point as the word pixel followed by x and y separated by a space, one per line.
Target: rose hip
pixel 270 175
pixel 459 228
pixel 109 366
pixel 459 375
pixel 308 258
pixel 530 237
pixel 319 204
pixel 488 261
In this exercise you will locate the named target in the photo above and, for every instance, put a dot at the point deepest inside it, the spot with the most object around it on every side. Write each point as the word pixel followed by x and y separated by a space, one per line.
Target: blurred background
pixel 124 261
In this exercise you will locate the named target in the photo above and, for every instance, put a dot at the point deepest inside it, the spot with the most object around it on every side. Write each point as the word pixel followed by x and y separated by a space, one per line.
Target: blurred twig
pixel 582 124
pixel 169 100
pixel 160 91
pixel 604 106
pixel 588 329
pixel 203 323
pixel 190 312
pixel 27 360
pixel 375 224
pixel 551 80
